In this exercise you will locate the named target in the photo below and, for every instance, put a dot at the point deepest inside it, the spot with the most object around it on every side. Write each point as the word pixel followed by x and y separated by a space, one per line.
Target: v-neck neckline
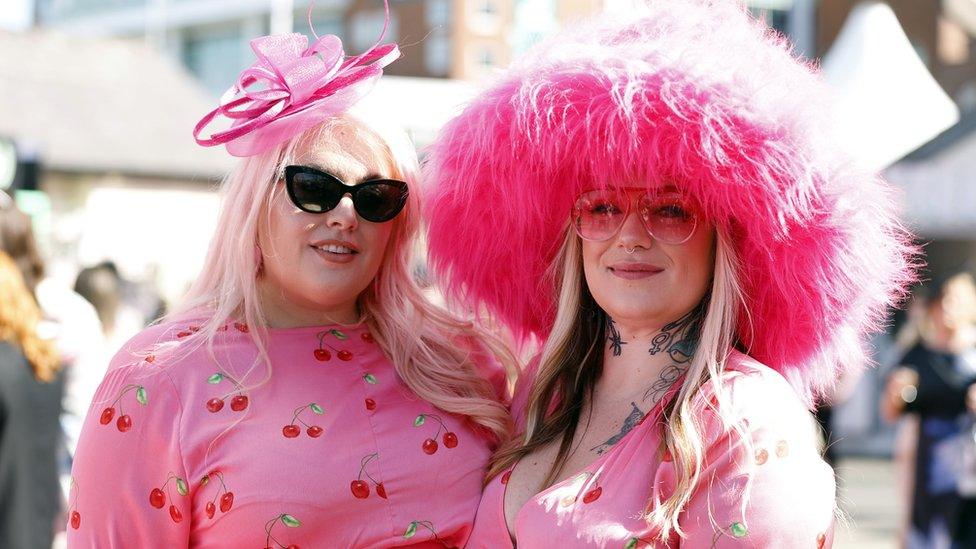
pixel 594 465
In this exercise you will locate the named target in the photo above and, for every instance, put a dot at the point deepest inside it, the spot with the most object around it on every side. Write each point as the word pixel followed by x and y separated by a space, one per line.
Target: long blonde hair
pixel 19 317
pixel 571 362
pixel 432 351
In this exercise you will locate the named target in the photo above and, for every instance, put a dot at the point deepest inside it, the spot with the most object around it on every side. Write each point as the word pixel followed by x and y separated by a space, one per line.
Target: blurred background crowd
pixel 107 204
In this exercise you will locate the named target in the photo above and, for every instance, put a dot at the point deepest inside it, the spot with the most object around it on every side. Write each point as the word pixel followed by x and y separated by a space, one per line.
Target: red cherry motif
pixel 368 337
pixel 269 527
pixel 429 446
pixel 370 404
pixel 238 403
pixel 241 327
pixel 74 517
pixel 325 350
pixel 150 358
pixel 226 502
pixel 506 476
pixel 107 415
pixel 124 421
pixel 226 499
pixel 450 440
pixel 292 430
pixel 183 334
pixel 359 489
pixel 157 498
pixel 593 495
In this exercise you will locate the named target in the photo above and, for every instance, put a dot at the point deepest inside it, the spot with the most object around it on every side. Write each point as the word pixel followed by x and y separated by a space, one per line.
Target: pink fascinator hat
pixel 291 88
pixel 702 96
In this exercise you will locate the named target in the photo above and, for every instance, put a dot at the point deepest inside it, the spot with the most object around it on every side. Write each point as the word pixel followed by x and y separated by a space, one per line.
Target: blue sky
pixel 15 14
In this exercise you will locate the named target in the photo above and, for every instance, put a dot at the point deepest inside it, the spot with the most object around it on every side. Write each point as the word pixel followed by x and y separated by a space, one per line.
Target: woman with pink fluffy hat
pixel 658 200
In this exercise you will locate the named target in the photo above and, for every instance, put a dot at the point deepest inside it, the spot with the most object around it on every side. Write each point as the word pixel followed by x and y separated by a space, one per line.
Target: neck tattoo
pixel 615 341
pixel 679 339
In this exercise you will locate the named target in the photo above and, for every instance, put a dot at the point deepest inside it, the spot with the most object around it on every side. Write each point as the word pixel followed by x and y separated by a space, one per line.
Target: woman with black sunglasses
pixel 306 395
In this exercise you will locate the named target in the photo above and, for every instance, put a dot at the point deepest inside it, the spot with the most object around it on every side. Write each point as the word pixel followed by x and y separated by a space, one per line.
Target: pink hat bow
pixel 291 88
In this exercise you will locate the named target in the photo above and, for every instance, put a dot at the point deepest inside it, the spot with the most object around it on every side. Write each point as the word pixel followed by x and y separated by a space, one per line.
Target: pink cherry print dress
pixel 333 450
pixel 790 502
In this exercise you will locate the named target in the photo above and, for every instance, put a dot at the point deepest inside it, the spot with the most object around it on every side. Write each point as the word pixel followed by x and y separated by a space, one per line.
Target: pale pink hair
pixel 439 357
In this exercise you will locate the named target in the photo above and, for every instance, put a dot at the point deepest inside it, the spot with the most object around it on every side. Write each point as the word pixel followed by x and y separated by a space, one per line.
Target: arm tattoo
pixel 636 414
pixel 615 341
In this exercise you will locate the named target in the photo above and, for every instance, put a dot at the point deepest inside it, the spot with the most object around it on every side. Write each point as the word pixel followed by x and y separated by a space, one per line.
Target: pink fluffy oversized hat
pixel 699 94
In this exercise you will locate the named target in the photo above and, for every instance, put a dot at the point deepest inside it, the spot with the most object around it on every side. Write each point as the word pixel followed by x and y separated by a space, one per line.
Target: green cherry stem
pixel 125 390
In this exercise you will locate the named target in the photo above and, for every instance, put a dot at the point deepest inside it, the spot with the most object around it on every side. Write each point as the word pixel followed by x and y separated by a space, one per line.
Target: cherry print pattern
pixel 633 542
pixel 238 400
pixel 736 530
pixel 287 520
pixel 159 495
pixel 429 446
pixel 415 525
pixel 225 496
pixel 124 422
pixel 359 487
pixel 74 517
pixel 324 351
pixel 292 430
pixel 188 332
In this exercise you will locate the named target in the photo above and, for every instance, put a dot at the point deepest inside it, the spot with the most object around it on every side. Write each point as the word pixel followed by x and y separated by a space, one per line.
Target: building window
pixel 438 14
pixel 365 28
pixel 486 8
pixel 323 22
pixel 485 18
pixel 214 56
pixel 437 54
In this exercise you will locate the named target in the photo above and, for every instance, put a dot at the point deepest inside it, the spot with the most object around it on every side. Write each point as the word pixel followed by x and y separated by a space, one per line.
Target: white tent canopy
pixel 889 104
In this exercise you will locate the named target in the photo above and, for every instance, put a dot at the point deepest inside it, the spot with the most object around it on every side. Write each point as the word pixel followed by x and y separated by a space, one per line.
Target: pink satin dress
pixel 333 450
pixel 789 503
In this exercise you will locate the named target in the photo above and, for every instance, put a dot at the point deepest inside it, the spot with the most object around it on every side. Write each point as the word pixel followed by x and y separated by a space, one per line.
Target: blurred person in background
pixel 101 285
pixel 30 406
pixel 305 394
pixel 935 383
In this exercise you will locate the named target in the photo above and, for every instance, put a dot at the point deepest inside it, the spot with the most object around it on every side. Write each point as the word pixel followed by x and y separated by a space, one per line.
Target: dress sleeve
pixel 778 493
pixel 129 483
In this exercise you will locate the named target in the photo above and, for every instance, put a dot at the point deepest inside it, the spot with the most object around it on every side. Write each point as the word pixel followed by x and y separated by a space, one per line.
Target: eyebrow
pixel 334 173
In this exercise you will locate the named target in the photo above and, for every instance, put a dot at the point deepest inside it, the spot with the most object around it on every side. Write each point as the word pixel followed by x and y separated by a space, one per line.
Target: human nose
pixel 632 232
pixel 343 216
